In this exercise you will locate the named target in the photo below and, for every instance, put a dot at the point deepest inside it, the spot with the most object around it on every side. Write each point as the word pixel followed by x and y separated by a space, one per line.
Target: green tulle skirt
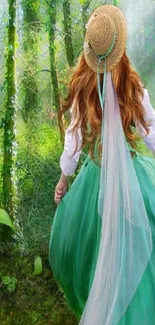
pixel 75 237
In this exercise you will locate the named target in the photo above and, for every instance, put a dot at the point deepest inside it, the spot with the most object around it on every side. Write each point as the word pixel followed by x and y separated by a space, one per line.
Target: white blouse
pixel 68 164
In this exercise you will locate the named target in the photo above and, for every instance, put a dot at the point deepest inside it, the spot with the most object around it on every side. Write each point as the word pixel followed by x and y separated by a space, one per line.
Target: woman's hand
pixel 60 189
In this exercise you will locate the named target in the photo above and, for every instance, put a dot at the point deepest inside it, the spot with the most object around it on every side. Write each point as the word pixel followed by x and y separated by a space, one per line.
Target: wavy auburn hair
pixel 83 98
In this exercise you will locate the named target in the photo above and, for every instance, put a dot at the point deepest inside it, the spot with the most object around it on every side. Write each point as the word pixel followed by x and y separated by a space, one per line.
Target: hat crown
pixel 100 33
pixel 106 35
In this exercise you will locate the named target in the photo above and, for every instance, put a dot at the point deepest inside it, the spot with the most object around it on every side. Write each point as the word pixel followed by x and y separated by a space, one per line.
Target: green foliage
pixel 9 282
pixel 37 172
pixel 38 267
pixel 31 28
pixel 116 3
pixel 31 12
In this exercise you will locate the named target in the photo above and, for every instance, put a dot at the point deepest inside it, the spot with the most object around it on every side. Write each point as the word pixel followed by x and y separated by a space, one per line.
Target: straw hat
pixel 105 22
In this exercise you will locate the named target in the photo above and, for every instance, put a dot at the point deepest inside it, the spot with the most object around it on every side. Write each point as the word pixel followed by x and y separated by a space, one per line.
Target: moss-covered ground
pixel 36 299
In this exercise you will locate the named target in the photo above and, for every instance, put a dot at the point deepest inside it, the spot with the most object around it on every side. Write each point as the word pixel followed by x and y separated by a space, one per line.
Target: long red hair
pixel 83 97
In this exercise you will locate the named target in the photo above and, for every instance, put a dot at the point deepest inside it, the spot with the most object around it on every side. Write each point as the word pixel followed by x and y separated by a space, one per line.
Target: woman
pixel 102 239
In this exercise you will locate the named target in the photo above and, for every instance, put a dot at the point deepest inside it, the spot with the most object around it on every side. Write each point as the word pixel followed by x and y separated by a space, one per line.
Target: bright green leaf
pixel 5 219
pixel 38 266
pixel 82 2
pixel 10 282
pixel 11 287
pixel 6 279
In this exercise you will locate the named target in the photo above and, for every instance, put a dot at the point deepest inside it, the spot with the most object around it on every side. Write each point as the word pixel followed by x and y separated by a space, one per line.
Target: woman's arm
pixel 61 188
pixel 68 163
pixel 149 117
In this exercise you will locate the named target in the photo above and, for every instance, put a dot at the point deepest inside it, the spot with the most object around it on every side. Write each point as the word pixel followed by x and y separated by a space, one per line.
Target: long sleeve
pixel 149 117
pixel 68 164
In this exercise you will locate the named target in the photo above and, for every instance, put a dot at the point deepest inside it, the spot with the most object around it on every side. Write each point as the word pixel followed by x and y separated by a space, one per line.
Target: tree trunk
pixel 31 28
pixel 85 13
pixel 52 20
pixel 9 136
pixel 68 32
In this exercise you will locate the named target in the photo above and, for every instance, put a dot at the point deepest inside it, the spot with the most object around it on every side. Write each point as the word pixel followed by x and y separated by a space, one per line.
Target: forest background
pixel 40 41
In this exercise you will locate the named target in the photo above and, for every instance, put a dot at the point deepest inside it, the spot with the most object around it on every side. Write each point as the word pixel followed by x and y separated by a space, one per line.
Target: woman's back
pixel 102 240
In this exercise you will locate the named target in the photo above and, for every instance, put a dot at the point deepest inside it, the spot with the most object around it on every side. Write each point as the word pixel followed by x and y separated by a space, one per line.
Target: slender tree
pixel 52 10
pixel 9 136
pixel 85 12
pixel 31 28
pixel 68 32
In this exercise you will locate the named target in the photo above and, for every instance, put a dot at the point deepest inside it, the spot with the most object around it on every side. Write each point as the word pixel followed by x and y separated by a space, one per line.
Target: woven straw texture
pixel 99 35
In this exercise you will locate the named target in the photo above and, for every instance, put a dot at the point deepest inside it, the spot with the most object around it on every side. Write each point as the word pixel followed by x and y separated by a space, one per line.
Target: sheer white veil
pixel 126 241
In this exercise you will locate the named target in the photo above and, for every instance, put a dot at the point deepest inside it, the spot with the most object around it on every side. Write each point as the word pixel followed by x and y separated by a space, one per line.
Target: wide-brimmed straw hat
pixel 106 33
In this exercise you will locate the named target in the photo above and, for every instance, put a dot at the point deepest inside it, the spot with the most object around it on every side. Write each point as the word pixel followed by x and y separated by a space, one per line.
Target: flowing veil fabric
pixel 126 241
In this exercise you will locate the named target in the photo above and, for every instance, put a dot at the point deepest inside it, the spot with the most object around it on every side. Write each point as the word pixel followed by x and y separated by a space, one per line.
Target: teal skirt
pixel 75 238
